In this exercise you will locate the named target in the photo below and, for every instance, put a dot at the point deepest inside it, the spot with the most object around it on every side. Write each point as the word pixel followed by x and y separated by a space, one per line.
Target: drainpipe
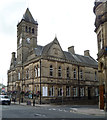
pixel 78 84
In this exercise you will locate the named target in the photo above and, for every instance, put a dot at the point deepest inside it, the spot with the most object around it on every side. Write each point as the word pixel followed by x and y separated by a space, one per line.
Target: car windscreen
pixel 5 97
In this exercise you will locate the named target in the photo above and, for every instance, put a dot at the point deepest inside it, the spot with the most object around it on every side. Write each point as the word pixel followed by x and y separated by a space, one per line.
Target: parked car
pixel 5 99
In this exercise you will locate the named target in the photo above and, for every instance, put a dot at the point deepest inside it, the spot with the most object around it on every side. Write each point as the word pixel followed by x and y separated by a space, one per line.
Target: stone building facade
pixel 47 72
pixel 100 10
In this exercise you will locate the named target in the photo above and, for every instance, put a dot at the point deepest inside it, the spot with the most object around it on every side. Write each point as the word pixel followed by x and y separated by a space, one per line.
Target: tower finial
pixel 55 36
pixel 27 3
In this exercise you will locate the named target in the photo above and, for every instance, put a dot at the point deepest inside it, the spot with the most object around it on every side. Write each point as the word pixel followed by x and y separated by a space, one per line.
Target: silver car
pixel 5 99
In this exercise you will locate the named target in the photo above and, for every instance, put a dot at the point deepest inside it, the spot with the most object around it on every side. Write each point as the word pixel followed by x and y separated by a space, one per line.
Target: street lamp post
pixel 40 80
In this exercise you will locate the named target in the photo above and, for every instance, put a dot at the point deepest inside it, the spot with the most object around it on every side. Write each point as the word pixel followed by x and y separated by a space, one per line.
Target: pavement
pixel 82 109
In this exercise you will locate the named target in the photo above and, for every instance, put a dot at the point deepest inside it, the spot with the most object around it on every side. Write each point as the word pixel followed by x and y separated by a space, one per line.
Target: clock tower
pixel 100 10
pixel 26 36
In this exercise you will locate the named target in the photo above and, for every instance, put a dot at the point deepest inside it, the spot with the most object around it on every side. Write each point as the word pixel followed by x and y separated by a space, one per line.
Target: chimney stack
pixel 71 49
pixel 86 53
pixel 13 55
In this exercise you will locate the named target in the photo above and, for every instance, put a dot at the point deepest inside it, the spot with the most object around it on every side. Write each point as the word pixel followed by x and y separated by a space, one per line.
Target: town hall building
pixel 47 73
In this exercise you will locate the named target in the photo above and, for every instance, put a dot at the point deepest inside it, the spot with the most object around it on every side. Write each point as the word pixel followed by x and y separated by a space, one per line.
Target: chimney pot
pixel 71 49
pixel 86 53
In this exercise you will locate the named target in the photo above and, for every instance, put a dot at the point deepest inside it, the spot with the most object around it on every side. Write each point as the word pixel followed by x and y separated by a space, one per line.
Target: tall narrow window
pixel 81 74
pixel 74 73
pixel 45 91
pixel 82 92
pixel 35 71
pixel 67 91
pixel 96 92
pixel 59 71
pixel 60 91
pixel 95 75
pixel 67 72
pixel 18 75
pixel 27 74
pixel 51 71
pixel 33 30
pixel 26 29
pixel 51 91
pixel 30 29
pixel 75 92
pixel 38 71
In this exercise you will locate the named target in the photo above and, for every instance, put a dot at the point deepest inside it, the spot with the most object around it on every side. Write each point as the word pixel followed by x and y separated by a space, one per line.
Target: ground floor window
pixel 96 92
pixel 51 91
pixel 44 91
pixel 75 92
pixel 67 91
pixel 60 91
pixel 81 92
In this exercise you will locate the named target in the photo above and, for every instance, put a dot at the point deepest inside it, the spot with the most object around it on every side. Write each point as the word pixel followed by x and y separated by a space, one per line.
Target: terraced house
pixel 48 73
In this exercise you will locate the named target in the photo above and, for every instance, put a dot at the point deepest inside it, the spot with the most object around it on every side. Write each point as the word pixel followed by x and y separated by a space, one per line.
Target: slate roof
pixel 28 17
pixel 88 60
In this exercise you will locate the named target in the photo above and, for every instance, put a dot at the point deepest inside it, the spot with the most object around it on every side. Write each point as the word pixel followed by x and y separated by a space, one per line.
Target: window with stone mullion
pixel 59 71
pixel 51 71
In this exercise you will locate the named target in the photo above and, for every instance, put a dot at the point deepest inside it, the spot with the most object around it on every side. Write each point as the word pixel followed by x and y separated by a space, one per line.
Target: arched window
pixel 27 73
pixel 38 71
pixel 59 71
pixel 18 75
pixel 30 29
pixel 35 71
pixel 33 30
pixel 51 71
pixel 26 29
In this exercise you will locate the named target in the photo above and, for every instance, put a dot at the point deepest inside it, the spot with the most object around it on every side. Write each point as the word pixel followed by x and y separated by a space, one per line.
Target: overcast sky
pixel 72 21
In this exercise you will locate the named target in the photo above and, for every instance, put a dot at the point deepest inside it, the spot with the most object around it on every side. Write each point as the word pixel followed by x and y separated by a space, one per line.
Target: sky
pixel 72 21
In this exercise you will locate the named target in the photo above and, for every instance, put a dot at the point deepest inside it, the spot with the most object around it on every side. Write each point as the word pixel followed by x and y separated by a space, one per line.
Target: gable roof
pixel 28 17
pixel 75 58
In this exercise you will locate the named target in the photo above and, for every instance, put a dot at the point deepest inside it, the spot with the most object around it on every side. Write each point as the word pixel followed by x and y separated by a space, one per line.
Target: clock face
pixel 28 40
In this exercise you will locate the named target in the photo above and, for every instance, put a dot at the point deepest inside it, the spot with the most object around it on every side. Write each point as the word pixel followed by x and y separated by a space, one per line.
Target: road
pixel 51 111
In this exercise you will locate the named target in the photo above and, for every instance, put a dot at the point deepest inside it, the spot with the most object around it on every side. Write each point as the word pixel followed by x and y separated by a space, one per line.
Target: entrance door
pixel 101 91
pixel 89 93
